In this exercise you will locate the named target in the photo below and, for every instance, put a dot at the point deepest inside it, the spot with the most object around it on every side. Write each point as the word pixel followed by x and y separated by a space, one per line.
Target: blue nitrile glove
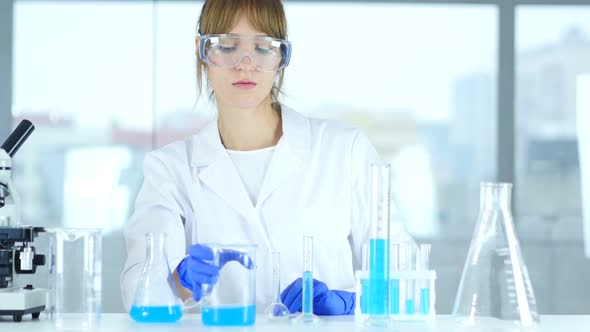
pixel 325 301
pixel 199 267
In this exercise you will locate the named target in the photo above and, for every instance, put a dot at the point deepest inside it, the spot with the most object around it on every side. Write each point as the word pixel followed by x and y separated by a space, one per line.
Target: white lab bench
pixel 192 323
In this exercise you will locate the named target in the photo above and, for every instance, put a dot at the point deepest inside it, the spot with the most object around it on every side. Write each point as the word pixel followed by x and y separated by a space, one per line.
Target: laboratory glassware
pixel 424 285
pixel 75 277
pixel 408 285
pixel 307 316
pixel 416 283
pixel 231 301
pixel 411 285
pixel 495 284
pixel 394 266
pixel 276 310
pixel 156 297
pixel 378 288
pixel 362 285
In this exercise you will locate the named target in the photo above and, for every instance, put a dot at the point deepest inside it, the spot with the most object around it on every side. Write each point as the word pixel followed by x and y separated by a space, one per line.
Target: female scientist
pixel 260 173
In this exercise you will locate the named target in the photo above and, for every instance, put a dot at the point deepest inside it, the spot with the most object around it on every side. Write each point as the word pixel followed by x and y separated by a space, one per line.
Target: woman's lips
pixel 245 85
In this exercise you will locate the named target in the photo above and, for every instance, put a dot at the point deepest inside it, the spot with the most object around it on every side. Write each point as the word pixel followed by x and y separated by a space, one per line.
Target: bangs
pixel 266 16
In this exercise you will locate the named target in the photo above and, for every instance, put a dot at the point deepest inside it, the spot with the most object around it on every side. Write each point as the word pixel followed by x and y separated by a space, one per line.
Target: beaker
pixel 232 300
pixel 156 297
pixel 495 284
pixel 75 277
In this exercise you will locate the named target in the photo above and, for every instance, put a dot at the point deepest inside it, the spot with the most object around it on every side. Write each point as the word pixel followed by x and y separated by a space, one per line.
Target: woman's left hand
pixel 325 301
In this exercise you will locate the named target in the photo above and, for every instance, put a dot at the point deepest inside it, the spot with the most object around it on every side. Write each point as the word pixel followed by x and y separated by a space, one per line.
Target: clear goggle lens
pixel 228 51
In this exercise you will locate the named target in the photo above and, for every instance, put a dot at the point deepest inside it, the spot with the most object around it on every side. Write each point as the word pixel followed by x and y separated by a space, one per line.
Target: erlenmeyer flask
pixel 156 297
pixel 495 283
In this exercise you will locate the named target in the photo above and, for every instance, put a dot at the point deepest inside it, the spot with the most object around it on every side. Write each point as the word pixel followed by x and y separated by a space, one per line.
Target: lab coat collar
pixel 213 166
pixel 207 147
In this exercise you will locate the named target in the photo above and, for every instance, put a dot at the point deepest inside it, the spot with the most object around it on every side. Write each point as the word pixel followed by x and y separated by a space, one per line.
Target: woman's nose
pixel 246 64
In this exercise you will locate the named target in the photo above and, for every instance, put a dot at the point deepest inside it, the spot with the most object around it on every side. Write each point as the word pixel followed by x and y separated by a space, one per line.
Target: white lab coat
pixel 316 184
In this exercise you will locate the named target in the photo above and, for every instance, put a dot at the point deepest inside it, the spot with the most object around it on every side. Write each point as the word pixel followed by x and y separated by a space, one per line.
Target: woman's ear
pixel 197 42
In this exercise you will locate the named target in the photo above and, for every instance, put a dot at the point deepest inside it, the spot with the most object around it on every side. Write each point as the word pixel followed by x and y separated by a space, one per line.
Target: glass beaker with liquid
pixel 232 300
pixel 156 298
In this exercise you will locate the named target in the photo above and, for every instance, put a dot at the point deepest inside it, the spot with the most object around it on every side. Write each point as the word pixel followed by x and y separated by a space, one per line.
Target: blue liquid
pixel 159 314
pixel 229 316
pixel 410 310
pixel 424 301
pixel 365 292
pixel 378 276
pixel 307 294
pixel 394 292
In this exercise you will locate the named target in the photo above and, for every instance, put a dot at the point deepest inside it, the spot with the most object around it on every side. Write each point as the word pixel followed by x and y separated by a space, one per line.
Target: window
pixel 553 48
pixel 83 76
pixel 106 81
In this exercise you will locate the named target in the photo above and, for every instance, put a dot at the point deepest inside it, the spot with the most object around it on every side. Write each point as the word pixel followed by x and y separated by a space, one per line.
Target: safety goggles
pixel 229 50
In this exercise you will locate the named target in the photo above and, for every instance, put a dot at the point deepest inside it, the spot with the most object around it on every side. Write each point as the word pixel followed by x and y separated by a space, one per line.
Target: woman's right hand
pixel 197 269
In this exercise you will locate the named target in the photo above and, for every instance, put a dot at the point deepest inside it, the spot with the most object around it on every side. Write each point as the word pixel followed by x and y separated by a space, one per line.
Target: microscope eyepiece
pixel 18 136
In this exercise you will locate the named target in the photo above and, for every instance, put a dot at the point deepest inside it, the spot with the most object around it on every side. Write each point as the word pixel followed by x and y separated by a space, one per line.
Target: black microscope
pixel 17 255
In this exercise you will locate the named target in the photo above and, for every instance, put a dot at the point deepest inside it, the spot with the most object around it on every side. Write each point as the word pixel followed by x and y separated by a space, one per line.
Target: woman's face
pixel 242 86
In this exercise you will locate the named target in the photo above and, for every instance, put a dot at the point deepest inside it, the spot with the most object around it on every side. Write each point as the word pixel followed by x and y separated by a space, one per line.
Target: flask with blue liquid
pixel 156 297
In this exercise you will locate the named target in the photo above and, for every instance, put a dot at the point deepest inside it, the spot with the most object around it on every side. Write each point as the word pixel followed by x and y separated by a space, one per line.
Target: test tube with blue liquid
pixel 364 280
pixel 394 283
pixel 378 290
pixel 410 284
pixel 423 258
pixel 307 315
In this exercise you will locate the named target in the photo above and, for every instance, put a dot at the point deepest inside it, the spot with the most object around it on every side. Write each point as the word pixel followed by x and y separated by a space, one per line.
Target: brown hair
pixel 219 16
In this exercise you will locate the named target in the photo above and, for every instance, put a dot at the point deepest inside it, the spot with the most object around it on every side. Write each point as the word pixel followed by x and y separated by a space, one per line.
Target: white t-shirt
pixel 252 166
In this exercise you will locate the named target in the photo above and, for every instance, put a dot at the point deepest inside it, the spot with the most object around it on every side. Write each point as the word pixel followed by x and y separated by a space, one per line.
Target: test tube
pixel 379 245
pixel 364 280
pixel 424 256
pixel 410 258
pixel 307 291
pixel 394 283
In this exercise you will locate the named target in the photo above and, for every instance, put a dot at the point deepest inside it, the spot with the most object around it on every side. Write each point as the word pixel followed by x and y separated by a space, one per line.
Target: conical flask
pixel 156 297
pixel 495 284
